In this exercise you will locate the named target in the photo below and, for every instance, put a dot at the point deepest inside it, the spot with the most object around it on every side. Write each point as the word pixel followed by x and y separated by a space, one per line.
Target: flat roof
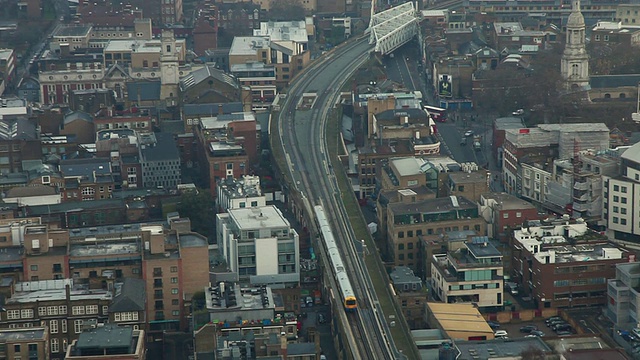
pixel 498 348
pixel 12 335
pixel 57 294
pixel 433 206
pixel 461 177
pixel 106 337
pixel 78 250
pixel 508 202
pixel 258 218
pixel 247 45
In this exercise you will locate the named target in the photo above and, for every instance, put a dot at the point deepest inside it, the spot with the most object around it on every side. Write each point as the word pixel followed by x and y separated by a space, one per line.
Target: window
pixel 62 309
pixel 174 280
pixel 42 311
pixel 53 326
pixel 13 314
pixel 77 310
pixel 505 215
pixel 16 348
pixel 77 326
pixel 615 219
pixel 623 200
pixel 518 214
pixel 105 309
pixel 174 269
pixel 92 309
pixel 175 313
pixel 616 188
pixel 623 221
pixel 26 313
pixel 174 291
pixel 175 302
pixel 616 198
pixel 63 325
pixel 88 191
pixel 52 310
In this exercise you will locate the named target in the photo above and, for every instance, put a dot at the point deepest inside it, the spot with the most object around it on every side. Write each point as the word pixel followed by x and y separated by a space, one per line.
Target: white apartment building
pixel 260 246
pixel 239 193
pixel 472 274
pixel 621 196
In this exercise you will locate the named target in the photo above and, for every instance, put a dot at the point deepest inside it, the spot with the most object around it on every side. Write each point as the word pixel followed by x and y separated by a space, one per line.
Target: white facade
pixel 240 193
pixel 34 200
pixel 535 183
pixel 621 195
pixel 260 246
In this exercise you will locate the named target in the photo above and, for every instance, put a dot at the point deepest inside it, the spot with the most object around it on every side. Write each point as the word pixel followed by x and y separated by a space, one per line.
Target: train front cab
pixel 350 303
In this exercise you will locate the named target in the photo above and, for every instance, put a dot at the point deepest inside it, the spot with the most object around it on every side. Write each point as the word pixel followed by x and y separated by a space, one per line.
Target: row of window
pixel 419 232
pixel 580 282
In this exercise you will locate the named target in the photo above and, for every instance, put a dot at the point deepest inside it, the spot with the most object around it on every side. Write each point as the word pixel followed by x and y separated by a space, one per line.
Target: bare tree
pixel 286 10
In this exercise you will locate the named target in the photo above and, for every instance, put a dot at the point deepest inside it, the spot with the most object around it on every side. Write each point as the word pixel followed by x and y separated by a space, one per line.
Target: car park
pixel 528 329
pixel 501 333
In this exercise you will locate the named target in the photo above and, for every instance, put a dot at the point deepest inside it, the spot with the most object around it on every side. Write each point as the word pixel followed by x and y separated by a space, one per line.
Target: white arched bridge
pixel 393 28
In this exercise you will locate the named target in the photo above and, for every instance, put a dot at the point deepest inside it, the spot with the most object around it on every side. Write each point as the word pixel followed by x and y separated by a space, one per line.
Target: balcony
pixel 157 272
pixel 157 283
pixel 159 305
pixel 583 186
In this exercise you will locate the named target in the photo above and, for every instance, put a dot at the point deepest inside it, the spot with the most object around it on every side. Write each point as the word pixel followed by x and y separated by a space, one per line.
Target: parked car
pixel 539 333
pixel 528 329
pixel 494 324
pixel 468 133
pixel 553 323
pixel 552 319
pixel 564 333
pixel 463 141
pixel 518 112
pixel 562 327
pixel 501 333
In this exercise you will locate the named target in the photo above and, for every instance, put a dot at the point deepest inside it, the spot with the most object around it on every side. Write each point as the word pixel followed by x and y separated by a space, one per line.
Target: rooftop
pixel 404 275
pixel 129 296
pixel 109 336
pixel 52 290
pixel 11 254
pixel 104 230
pixel 212 109
pixel 252 66
pixel 17 335
pixel 164 149
pixel 21 128
pixel 459 318
pixel 85 168
pixel 498 348
pixel 248 45
pixel 508 123
pixel 433 206
pixel 408 166
pixel 72 31
pixel 283 31
pixel 104 249
pixel 209 71
pixel 247 186
pixel 231 297
pixel 506 201
pixel 192 240
pixel 222 121
pixel 632 153
pixel 460 177
pixel 258 218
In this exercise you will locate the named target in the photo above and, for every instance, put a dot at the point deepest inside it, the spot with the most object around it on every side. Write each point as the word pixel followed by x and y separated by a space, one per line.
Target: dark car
pixel 528 328
pixel 562 327
pixel 494 324
pixel 321 319
pixel 564 333
pixel 553 323
pixel 539 333
pixel 553 319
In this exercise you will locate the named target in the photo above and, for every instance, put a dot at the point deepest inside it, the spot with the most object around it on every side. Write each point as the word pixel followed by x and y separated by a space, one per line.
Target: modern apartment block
pixel 620 198
pixel 564 264
pixel 472 274
pixel 260 246
pixel 410 223
pixel 623 296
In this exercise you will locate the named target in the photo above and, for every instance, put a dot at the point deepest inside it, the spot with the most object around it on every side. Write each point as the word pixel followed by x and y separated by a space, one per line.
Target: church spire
pixel 575 61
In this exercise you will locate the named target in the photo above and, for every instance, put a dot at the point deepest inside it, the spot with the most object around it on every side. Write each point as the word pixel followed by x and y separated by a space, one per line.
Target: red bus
pixel 437 114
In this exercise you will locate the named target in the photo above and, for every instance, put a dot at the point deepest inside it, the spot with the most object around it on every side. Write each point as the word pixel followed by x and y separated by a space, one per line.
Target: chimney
pixel 283 344
pixel 220 112
pixel 67 290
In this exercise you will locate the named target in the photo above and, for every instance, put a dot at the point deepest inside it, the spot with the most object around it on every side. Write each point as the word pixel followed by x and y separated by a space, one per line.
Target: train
pixel 339 272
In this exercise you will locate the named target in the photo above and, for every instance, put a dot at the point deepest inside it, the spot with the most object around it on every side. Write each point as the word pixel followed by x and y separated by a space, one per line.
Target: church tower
pixel 574 65
pixel 169 66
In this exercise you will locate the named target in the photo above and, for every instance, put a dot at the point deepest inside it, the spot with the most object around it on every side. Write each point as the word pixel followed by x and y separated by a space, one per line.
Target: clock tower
pixel 574 65
pixel 169 72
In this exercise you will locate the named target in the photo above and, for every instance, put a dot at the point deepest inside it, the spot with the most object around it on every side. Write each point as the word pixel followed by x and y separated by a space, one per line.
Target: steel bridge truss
pixel 393 28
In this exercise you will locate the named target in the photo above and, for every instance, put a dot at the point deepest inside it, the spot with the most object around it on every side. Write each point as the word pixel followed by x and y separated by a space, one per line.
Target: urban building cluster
pixel 125 107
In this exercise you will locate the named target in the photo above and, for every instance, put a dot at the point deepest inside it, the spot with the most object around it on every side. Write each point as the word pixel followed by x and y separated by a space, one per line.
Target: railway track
pixel 309 166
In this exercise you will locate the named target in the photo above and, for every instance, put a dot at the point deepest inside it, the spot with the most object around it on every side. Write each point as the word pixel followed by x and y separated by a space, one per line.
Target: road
pixel 301 127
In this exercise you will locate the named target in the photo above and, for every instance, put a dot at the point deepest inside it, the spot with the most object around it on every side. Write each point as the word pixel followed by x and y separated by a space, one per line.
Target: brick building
pixel 411 295
pixel 563 264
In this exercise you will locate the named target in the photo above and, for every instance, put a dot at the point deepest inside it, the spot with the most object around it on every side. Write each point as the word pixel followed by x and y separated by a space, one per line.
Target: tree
pixel 199 207
pixel 286 10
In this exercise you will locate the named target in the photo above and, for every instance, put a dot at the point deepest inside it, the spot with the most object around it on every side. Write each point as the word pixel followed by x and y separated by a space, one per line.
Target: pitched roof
pixel 197 76
pixel 130 297
pixel 614 81
pixel 211 109
pixel 77 115
pixel 21 128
